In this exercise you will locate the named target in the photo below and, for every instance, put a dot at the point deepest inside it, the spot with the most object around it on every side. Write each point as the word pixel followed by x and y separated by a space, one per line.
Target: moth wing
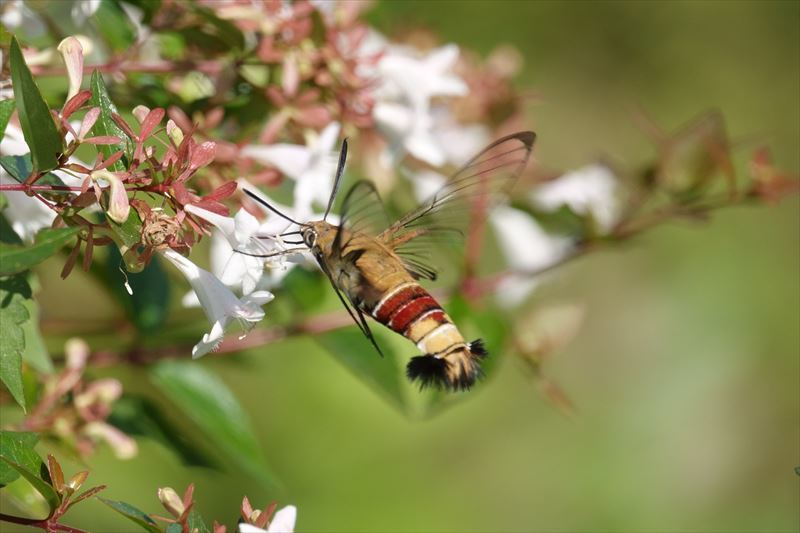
pixel 481 182
pixel 362 212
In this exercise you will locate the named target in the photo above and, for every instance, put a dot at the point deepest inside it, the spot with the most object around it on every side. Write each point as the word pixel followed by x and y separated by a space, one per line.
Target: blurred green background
pixel 686 373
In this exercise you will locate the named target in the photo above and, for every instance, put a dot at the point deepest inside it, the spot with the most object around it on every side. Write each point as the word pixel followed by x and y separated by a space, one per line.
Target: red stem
pixel 25 188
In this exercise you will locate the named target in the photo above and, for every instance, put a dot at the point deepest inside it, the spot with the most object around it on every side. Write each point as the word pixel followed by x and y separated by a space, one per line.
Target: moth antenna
pixel 271 208
pixel 338 180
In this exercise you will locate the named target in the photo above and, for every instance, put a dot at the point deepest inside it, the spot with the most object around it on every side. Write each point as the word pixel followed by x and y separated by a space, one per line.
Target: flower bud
pixel 77 480
pixel 77 352
pixel 72 52
pixel 171 501
pixel 140 112
pixel 118 206
pixel 174 132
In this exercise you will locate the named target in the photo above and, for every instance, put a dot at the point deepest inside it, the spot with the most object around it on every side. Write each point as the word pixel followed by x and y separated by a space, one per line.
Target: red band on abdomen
pixel 385 310
pixel 407 314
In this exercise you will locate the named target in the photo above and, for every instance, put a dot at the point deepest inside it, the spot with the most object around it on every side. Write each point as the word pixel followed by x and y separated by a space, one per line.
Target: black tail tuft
pixel 477 349
pixel 456 371
pixel 429 370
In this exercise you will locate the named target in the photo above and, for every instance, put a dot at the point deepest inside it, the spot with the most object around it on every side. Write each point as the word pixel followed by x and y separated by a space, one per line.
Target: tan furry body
pixel 368 272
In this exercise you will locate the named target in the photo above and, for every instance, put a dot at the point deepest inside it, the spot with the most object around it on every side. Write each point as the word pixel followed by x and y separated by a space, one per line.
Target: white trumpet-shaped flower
pixel 589 190
pixel 236 270
pixel 221 306
pixel 235 245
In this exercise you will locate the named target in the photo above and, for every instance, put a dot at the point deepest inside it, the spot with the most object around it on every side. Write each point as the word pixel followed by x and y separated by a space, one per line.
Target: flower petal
pixel 291 159
pixel 283 521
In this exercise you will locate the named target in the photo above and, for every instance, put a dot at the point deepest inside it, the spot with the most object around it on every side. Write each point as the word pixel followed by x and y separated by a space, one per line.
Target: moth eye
pixel 310 238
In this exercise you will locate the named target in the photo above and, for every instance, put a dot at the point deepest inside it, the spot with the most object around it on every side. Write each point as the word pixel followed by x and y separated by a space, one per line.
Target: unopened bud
pixel 174 132
pixel 118 206
pixel 140 112
pixel 77 352
pixel 77 480
pixel 72 52
pixel 171 501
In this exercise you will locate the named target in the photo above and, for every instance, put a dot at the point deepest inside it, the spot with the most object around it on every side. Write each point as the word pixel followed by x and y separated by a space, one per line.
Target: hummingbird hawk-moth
pixel 375 267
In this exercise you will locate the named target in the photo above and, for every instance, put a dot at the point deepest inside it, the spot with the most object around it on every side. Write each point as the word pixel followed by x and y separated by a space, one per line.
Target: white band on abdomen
pixel 437 331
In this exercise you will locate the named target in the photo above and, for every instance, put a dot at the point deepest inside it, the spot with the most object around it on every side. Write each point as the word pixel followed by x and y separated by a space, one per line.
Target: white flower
pixel 219 303
pixel 240 271
pixel 590 190
pixel 526 248
pixel 16 14
pixel 282 522
pixel 82 10
pixel 234 270
pixel 403 100
pixel 312 167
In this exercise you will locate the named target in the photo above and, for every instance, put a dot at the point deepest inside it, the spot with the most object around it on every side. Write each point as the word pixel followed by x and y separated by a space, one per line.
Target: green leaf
pixel 130 231
pixel 21 166
pixel 174 528
pixel 210 404
pixel 35 353
pixel 133 514
pixel 6 110
pixel 23 496
pixel 18 447
pixel 14 291
pixel 136 415
pixel 105 125
pixel 7 233
pixel 37 123
pixel 114 25
pixel 353 350
pixel 42 487
pixel 17 258
pixel 148 306
pixel 196 522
